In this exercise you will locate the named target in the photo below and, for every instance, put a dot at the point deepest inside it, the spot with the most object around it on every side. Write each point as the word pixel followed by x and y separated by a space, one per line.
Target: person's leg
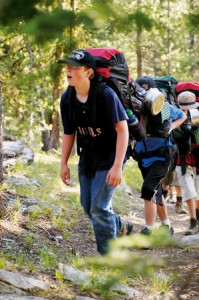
pixel 179 207
pixel 171 194
pixel 197 199
pixel 191 208
pixel 150 211
pixel 106 224
pixel 193 228
pixel 162 212
pixel 197 210
pixel 164 218
pixel 152 192
pixel 189 195
pixel 85 198
pixel 166 183
pixel 95 198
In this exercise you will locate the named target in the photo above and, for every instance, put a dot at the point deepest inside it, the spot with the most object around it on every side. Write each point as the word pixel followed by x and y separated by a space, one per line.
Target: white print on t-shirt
pixel 89 131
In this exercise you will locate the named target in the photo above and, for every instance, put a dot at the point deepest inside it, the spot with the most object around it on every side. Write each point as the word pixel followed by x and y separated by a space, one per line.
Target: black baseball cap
pixel 146 82
pixel 80 58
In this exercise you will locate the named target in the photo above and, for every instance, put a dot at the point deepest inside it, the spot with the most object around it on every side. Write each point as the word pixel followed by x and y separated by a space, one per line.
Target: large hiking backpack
pixel 167 84
pixel 157 125
pixel 112 68
pixel 188 86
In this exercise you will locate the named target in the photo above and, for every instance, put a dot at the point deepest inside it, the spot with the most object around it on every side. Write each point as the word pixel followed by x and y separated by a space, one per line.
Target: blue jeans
pixel 96 200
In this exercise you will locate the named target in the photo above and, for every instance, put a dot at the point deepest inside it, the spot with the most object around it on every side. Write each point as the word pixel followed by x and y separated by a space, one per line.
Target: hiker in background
pixel 178 201
pixel 170 183
pixel 102 147
pixel 153 156
pixel 187 165
pixel 171 197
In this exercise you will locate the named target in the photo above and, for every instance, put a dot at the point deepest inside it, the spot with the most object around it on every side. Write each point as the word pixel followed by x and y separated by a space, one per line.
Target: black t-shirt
pixel 94 124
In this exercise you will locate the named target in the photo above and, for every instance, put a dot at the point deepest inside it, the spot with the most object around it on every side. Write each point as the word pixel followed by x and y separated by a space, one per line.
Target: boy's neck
pixel 82 92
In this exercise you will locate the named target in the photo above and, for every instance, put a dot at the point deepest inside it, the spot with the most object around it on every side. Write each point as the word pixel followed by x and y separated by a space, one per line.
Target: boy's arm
pixel 114 175
pixel 67 144
pixel 176 123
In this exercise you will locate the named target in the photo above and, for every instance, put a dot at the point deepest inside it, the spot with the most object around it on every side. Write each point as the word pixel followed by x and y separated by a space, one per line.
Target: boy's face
pixel 75 74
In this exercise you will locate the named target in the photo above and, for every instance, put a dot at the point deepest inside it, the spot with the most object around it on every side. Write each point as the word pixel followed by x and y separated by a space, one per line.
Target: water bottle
pixel 133 121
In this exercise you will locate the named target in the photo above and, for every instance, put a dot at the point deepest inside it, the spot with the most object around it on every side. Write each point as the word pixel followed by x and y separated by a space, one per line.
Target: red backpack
pixel 112 69
pixel 111 66
pixel 188 86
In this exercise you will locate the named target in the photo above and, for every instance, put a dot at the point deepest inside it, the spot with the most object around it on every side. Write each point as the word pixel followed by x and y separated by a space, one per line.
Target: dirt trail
pixel 184 262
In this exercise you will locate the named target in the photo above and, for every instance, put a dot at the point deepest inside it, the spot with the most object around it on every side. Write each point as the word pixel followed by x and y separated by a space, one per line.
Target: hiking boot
pixel 170 229
pixel 146 231
pixel 179 208
pixel 193 228
pixel 127 228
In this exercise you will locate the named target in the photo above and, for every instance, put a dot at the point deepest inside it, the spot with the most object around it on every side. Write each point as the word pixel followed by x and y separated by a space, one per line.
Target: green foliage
pixel 49 26
pixel 48 258
pixel 132 175
pixel 193 23
pixel 124 264
pixel 35 34
pixel 15 11
pixel 141 20
pixel 160 283
pixel 121 263
pixel 29 239
pixel 2 262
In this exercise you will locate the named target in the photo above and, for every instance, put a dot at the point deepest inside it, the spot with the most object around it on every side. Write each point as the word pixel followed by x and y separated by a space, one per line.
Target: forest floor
pixel 182 263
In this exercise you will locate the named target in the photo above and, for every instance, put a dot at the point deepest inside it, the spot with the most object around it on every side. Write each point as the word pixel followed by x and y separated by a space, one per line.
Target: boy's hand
pixel 114 176
pixel 65 174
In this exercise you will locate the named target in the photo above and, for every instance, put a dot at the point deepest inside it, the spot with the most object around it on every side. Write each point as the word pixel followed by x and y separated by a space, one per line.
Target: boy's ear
pixel 90 73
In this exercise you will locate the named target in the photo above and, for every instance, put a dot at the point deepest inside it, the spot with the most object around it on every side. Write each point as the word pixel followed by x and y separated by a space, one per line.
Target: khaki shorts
pixel 189 182
pixel 175 178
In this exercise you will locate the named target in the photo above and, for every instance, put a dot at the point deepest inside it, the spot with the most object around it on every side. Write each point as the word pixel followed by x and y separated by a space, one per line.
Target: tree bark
pixel 168 41
pixel 139 53
pixel 138 47
pixel 31 66
pixel 50 138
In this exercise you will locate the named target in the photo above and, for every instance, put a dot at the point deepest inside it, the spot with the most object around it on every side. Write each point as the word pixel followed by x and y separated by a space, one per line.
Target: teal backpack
pixel 167 85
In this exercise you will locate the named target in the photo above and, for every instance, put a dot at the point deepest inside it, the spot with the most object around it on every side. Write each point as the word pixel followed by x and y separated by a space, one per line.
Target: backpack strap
pixel 68 99
pixel 96 96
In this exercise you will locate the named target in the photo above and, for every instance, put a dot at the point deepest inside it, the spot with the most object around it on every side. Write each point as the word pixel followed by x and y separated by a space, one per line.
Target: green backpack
pixel 167 85
pixel 195 135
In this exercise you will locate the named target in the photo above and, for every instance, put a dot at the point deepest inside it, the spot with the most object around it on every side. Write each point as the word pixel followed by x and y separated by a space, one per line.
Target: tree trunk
pixel 139 53
pixel 192 43
pixel 50 138
pixel 54 137
pixel 1 136
pixel 168 41
pixel 138 46
pixel 31 66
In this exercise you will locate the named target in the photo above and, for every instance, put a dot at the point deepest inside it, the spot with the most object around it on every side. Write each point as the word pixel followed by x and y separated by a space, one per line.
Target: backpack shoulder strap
pixel 97 90
pixel 68 100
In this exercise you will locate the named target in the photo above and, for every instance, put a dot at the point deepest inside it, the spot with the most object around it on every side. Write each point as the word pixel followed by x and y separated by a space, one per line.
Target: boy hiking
pixel 153 156
pixel 102 145
pixel 187 164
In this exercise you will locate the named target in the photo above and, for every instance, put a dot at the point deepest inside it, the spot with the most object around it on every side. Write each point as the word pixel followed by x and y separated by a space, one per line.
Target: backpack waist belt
pixel 162 152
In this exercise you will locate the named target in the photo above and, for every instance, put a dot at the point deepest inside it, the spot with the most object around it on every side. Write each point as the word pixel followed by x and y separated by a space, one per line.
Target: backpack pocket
pixel 139 133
